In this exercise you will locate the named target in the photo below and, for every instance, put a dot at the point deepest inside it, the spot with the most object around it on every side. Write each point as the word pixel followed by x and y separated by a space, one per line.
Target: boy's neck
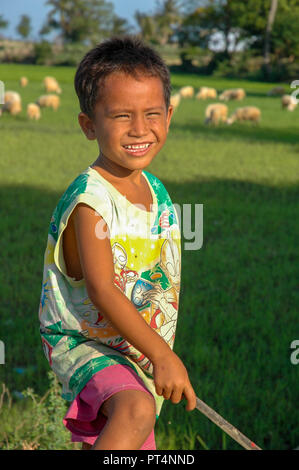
pixel 115 173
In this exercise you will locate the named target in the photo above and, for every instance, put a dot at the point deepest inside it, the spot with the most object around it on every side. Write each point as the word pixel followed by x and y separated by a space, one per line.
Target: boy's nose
pixel 139 127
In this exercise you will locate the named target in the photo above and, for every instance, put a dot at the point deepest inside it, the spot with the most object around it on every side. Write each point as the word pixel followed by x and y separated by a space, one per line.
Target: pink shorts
pixel 83 417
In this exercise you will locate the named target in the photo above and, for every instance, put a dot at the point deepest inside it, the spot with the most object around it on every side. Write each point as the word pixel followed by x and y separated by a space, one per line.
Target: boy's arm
pixel 96 258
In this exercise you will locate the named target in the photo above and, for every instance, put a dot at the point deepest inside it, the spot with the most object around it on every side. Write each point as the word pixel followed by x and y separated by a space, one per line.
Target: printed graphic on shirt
pixel 77 339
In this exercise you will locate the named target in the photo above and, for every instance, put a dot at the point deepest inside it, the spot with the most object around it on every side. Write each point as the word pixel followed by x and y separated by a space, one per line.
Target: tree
pixel 168 18
pixel 24 27
pixel 3 23
pixel 213 16
pixel 163 24
pixel 270 21
pixel 120 26
pixel 81 20
pixel 285 36
pixel 251 23
pixel 147 26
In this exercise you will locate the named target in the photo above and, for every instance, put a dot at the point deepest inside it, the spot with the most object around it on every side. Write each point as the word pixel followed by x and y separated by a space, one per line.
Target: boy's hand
pixel 172 381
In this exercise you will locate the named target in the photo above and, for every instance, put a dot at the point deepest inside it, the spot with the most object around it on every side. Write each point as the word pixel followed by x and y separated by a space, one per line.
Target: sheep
pixel 216 113
pixel 51 85
pixel 48 101
pixel 187 92
pixel 13 107
pixel 10 96
pixel 23 81
pixel 276 91
pixel 175 100
pixel 12 103
pixel 248 113
pixel 233 94
pixel 288 102
pixel 33 111
pixel 205 93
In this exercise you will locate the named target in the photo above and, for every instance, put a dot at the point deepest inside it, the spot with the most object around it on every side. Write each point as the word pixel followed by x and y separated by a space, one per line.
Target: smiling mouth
pixel 137 149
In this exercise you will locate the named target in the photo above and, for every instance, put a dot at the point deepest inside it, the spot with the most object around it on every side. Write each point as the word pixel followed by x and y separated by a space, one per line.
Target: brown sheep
pixel 23 81
pixel 248 113
pixel 12 103
pixel 49 101
pixel 276 91
pixel 33 111
pixel 216 113
pixel 206 93
pixel 12 96
pixel 187 92
pixel 51 85
pixel 288 102
pixel 233 94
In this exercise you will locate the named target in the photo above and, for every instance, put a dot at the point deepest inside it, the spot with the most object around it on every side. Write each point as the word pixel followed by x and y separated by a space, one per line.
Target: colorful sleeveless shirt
pixel 77 340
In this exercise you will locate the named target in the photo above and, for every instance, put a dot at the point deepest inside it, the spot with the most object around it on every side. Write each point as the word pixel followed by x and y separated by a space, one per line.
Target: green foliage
pixel 3 22
pixel 191 55
pixel 244 21
pixel 42 53
pixel 241 65
pixel 160 27
pixel 285 35
pixel 24 26
pixel 70 54
pixel 34 423
pixel 87 21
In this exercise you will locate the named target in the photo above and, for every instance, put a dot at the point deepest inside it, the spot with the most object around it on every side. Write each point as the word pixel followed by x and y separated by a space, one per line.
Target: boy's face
pixel 130 120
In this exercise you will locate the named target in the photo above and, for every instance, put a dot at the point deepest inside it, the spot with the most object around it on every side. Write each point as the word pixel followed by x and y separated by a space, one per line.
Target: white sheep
pixel 51 85
pixel 248 113
pixel 175 100
pixel 13 107
pixel 12 103
pixel 48 101
pixel 23 81
pixel 206 93
pixel 233 94
pixel 288 102
pixel 187 92
pixel 215 113
pixel 33 111
pixel 10 96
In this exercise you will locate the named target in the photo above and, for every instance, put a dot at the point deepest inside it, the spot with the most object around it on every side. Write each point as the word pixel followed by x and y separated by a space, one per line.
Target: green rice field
pixel 239 302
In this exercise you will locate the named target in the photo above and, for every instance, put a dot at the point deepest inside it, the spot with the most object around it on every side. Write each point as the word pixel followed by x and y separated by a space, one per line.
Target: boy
pixel 111 281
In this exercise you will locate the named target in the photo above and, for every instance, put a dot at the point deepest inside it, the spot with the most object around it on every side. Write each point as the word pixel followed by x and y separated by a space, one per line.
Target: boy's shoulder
pixel 86 187
pixel 84 182
pixel 159 188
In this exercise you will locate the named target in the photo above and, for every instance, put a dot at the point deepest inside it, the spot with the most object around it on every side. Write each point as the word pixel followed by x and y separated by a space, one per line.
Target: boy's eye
pixel 154 114
pixel 122 116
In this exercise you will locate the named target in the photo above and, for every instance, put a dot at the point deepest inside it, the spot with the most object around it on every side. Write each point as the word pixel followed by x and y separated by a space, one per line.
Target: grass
pixel 239 298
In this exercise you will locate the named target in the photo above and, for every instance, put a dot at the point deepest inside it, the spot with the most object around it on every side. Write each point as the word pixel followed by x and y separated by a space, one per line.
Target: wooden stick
pixel 225 426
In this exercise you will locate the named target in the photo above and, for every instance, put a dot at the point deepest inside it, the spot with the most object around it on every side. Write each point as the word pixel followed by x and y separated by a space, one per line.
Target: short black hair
pixel 128 54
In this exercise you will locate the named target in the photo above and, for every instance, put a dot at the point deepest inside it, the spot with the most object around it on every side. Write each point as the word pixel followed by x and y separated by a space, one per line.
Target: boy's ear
pixel 169 116
pixel 87 126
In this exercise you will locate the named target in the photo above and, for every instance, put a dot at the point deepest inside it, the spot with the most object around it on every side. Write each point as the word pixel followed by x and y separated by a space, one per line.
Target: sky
pixel 37 10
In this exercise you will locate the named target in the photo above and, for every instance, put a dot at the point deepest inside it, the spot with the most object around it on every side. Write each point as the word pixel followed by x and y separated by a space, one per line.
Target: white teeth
pixel 137 147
